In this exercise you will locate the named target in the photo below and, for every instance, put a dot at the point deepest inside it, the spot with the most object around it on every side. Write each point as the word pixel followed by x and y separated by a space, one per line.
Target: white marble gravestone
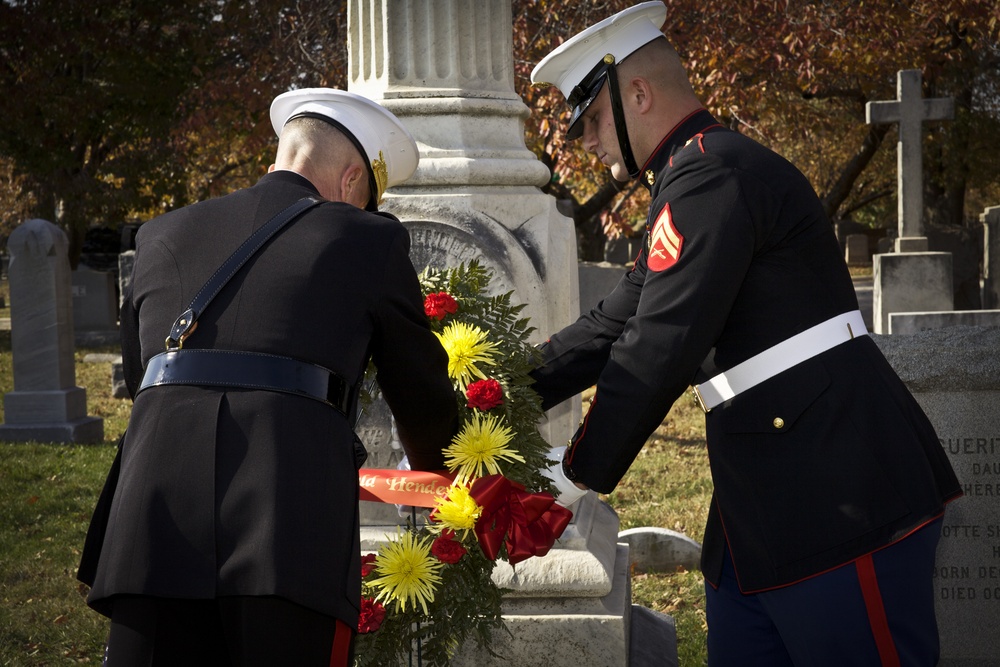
pixel 95 307
pixel 46 405
pixel 909 279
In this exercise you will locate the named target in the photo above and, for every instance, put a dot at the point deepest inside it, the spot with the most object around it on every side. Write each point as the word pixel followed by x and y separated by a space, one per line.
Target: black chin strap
pixel 619 114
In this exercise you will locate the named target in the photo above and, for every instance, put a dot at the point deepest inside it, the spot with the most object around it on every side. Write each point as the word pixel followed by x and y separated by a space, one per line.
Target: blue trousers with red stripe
pixel 875 611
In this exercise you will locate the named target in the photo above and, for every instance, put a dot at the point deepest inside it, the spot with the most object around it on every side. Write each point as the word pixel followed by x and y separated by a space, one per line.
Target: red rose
pixel 447 549
pixel 439 304
pixel 371 616
pixel 367 564
pixel 484 394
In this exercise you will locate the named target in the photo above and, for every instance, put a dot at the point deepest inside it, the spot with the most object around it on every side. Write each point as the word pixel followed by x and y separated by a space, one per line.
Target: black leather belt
pixel 247 370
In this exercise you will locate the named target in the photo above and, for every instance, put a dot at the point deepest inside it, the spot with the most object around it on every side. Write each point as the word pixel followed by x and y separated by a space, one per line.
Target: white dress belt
pixel 780 357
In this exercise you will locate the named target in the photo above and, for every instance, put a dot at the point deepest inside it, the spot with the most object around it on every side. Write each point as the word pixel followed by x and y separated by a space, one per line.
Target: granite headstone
pixel 95 306
pixel 954 373
pixel 856 250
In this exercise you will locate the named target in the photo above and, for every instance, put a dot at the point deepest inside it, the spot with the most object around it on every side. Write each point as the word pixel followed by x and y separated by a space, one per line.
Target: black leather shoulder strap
pixel 185 324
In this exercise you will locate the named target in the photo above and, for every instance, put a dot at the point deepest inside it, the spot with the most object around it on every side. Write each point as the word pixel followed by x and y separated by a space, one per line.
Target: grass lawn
pixel 48 491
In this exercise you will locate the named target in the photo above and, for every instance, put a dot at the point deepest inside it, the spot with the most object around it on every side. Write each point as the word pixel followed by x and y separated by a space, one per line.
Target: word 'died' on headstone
pixel 475 194
pixel 954 373
pixel 45 405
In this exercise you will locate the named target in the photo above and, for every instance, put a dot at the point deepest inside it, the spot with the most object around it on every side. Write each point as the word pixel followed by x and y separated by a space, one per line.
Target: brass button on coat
pixel 778 422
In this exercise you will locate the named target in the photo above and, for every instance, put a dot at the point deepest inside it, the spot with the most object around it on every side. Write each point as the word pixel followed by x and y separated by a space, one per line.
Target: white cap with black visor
pixel 391 153
pixel 580 66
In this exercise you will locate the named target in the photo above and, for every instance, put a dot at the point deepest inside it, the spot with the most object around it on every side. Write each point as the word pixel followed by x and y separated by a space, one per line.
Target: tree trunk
pixel 841 189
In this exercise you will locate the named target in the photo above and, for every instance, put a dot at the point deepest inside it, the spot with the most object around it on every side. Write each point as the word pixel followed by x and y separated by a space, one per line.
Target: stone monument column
pixel 45 405
pixel 445 68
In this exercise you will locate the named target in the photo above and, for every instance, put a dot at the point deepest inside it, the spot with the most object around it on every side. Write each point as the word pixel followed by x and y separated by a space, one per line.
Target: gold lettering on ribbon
pixel 411 487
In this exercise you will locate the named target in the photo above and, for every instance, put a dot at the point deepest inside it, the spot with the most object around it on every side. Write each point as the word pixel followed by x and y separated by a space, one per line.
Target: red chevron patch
pixel 665 242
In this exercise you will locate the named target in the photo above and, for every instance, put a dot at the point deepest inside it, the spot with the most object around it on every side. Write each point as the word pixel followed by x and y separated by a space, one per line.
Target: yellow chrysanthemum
pixel 467 345
pixel 458 511
pixel 479 447
pixel 409 572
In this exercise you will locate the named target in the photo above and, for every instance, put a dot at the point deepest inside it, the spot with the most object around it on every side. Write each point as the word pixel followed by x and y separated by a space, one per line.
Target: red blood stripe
pixel 876 611
pixel 341 645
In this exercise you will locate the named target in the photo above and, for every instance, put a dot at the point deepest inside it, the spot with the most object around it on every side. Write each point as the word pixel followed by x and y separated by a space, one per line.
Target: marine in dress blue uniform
pixel 233 535
pixel 829 480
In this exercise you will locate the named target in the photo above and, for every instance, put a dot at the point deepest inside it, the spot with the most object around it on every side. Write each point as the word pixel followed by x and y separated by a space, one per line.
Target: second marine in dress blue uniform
pixel 829 480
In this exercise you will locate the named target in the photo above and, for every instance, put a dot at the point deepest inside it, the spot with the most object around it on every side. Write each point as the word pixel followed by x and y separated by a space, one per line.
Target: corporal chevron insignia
pixel 665 242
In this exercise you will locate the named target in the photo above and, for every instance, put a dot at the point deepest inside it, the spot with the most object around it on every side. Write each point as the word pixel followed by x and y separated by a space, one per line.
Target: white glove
pixel 567 491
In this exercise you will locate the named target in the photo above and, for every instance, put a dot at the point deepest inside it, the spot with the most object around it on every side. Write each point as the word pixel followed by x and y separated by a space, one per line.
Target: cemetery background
pixel 795 69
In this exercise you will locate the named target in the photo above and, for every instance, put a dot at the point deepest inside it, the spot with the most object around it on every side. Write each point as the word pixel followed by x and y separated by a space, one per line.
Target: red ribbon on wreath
pixel 529 523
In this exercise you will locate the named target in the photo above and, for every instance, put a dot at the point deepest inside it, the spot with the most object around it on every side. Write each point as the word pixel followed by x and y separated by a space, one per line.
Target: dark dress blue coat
pixel 243 492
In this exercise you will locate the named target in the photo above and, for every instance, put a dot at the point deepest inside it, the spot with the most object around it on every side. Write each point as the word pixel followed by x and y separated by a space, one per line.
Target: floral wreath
pixel 429 590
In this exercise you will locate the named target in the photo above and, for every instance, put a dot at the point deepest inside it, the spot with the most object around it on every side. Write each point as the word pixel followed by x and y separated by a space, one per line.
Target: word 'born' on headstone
pixel 910 110
pixel 45 405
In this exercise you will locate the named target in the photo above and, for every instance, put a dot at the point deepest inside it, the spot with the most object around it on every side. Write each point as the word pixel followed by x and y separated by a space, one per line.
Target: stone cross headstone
pixel 991 257
pixel 954 373
pixel 910 110
pixel 911 279
pixel 45 405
